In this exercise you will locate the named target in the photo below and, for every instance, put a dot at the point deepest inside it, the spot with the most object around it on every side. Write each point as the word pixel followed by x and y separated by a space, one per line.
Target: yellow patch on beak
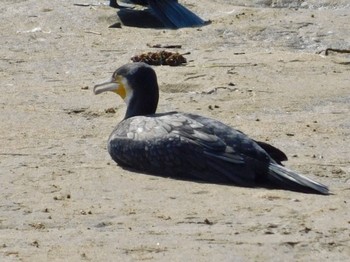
pixel 121 89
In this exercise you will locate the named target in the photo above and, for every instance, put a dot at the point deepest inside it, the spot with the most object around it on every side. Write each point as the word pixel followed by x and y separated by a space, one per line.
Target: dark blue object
pixel 169 12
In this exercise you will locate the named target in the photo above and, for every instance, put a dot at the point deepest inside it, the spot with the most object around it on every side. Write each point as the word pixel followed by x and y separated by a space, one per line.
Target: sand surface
pixel 255 67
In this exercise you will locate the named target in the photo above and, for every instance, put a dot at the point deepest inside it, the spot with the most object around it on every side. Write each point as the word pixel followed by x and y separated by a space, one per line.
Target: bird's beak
pixel 110 86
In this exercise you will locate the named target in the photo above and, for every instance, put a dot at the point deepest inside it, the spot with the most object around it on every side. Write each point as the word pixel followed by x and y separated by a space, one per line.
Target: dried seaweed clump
pixel 160 58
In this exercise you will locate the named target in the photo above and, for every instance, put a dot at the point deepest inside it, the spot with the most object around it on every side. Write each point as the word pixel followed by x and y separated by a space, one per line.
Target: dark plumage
pixel 189 146
pixel 169 12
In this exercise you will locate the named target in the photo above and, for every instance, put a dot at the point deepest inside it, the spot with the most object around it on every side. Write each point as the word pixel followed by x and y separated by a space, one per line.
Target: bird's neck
pixel 145 104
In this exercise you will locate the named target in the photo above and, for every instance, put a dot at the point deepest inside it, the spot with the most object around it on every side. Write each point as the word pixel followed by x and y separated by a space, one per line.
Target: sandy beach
pixel 260 66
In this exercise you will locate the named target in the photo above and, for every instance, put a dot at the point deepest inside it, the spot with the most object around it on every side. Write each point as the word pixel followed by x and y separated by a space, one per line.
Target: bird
pixel 189 146
pixel 169 12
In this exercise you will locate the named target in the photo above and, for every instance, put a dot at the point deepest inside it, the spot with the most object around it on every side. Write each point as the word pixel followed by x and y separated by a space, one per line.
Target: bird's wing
pixel 234 138
pixel 174 15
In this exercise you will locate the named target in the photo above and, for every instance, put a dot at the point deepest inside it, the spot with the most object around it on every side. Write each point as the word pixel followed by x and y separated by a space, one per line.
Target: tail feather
pixel 287 177
pixel 175 15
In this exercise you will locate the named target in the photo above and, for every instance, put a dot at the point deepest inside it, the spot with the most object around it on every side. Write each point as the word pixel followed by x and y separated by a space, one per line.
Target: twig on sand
pixel 214 90
pixel 327 50
pixel 164 46
pixel 92 32
pixel 85 4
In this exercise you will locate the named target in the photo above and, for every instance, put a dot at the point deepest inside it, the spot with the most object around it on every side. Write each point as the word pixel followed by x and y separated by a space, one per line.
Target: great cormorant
pixel 189 146
pixel 169 12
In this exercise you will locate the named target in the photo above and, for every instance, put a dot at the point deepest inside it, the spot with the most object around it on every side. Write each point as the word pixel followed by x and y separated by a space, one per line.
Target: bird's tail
pixel 175 15
pixel 288 178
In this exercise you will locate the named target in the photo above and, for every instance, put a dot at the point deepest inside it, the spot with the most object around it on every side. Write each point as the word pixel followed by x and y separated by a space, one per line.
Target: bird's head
pixel 136 84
